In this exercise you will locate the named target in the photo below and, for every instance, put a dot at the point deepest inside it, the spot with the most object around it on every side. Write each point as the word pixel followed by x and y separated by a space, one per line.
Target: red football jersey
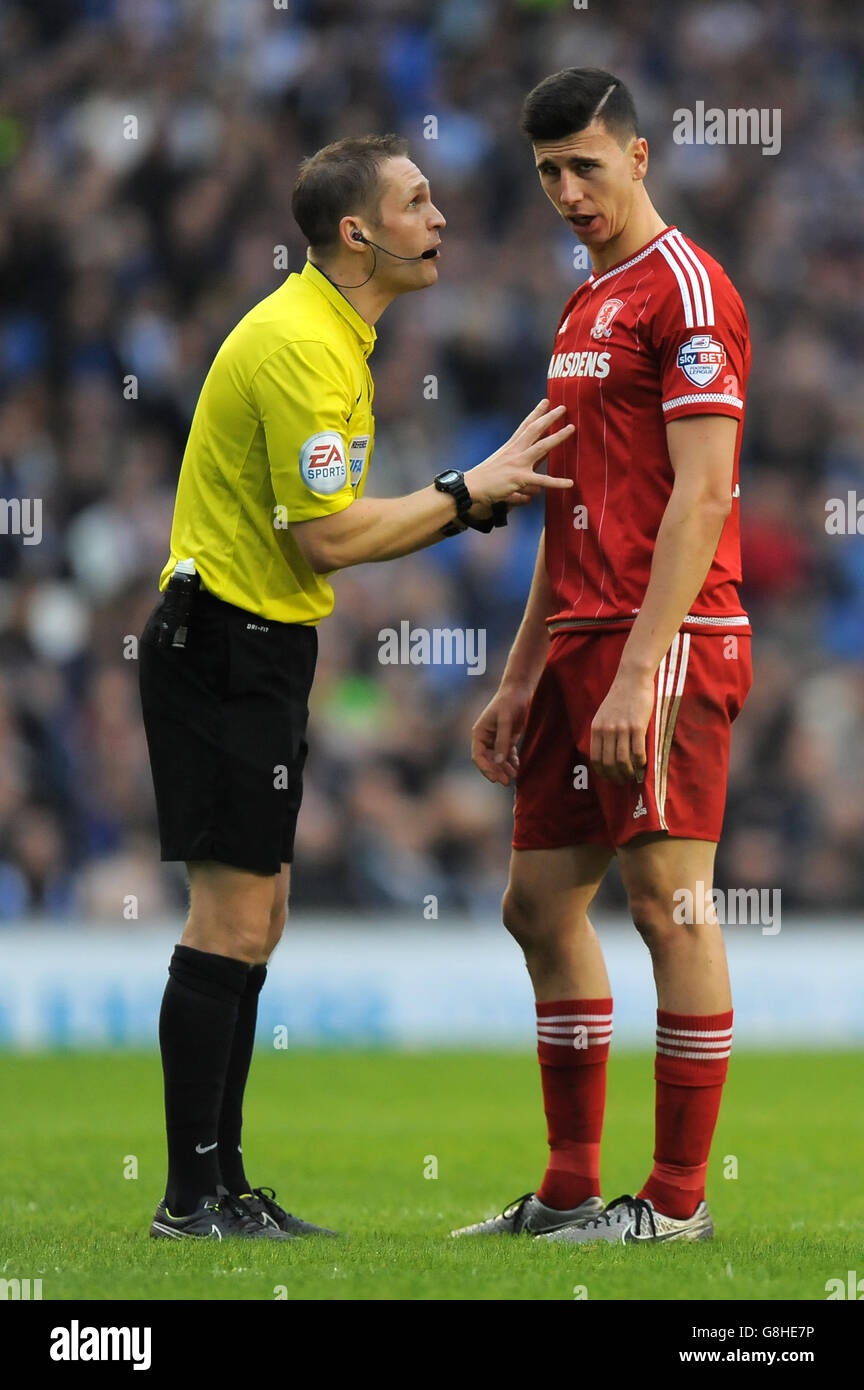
pixel 660 336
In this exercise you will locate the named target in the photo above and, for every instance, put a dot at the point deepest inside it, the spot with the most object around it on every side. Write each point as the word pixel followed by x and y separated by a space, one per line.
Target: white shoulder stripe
pixel 682 283
pixel 687 252
pixel 695 287
pixel 693 279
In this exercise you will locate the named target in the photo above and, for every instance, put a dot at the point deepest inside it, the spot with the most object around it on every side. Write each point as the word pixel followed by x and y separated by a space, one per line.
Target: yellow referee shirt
pixel 283 432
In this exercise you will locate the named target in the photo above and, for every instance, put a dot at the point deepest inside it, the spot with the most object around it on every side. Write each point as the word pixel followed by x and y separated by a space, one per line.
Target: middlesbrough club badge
pixel 608 309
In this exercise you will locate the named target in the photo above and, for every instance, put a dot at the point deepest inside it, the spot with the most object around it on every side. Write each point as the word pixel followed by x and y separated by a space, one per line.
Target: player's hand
pixel 509 472
pixel 618 730
pixel 497 732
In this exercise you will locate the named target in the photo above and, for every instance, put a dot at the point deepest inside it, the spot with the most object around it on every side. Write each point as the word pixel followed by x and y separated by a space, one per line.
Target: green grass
pixel 343 1137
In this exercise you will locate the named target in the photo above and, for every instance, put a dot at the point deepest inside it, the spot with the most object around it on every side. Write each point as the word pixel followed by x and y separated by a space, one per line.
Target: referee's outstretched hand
pixel 508 475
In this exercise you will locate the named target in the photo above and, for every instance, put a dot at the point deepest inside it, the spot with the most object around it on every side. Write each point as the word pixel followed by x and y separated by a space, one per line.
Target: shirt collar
pixel 365 331
pixel 594 280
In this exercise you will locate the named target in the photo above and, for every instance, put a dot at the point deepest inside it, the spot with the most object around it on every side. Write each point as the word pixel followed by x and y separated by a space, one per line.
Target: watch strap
pixel 498 518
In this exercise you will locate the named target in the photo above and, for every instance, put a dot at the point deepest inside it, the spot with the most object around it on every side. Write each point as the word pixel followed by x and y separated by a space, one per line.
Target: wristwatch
pixel 452 482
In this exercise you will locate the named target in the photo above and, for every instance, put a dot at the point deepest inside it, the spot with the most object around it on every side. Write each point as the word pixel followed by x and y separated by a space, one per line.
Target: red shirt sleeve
pixel 700 335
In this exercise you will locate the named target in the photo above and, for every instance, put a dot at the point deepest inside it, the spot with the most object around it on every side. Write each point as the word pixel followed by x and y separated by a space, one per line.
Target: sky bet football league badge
pixel 701 359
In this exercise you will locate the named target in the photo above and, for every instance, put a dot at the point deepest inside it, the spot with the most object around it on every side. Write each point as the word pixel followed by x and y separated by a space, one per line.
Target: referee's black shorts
pixel 225 718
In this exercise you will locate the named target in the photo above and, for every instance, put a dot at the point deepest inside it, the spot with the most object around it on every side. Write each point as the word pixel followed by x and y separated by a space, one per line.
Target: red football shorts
pixel 699 688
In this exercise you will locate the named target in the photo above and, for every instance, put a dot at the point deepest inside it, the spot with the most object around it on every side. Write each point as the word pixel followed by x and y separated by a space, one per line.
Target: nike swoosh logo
pixel 205 1149
pixel 630 1239
pixel 214 1231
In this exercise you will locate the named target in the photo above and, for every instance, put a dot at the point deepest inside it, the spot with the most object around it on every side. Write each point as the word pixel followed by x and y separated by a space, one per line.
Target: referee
pixel 269 502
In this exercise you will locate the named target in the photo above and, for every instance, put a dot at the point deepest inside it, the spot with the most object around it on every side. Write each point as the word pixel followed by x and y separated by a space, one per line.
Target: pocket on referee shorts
pixel 267 675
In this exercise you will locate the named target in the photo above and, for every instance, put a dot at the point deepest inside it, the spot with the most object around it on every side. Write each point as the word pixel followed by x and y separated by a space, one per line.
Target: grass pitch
pixel 347 1139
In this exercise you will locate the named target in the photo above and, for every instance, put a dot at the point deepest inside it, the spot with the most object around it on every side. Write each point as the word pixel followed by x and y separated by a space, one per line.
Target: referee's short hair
pixel 570 100
pixel 341 179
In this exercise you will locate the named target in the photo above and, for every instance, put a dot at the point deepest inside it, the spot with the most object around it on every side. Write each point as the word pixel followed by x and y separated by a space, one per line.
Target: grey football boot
pixel 632 1221
pixel 261 1202
pixel 528 1216
pixel 220 1217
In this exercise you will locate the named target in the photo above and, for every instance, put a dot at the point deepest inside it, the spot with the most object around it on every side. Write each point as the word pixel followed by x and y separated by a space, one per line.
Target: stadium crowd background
pixel 134 257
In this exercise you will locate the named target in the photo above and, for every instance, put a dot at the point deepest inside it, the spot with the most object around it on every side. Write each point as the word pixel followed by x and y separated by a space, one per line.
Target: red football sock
pixel 573 1048
pixel 692 1060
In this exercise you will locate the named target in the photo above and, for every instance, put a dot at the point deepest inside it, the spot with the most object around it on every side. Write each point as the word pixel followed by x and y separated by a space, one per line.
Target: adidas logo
pixel 641 808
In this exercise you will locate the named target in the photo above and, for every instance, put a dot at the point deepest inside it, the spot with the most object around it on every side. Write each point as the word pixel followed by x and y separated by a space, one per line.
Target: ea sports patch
pixel 322 463
pixel 701 359
pixel 606 313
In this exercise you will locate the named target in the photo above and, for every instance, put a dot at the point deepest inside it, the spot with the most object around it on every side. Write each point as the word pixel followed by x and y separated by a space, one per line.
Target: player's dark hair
pixel 570 100
pixel 341 179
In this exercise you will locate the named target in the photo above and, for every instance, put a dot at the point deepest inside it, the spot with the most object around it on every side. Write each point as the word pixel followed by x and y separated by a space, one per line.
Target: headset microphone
pixel 424 256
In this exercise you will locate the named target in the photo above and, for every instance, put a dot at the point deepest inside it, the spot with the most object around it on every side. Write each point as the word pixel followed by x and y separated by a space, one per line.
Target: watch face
pixel 450 476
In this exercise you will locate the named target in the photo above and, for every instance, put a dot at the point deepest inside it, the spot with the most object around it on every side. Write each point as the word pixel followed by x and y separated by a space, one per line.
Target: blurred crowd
pixel 148 150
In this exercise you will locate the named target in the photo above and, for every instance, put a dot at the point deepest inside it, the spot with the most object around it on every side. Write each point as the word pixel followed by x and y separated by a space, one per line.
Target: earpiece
pixel 357 235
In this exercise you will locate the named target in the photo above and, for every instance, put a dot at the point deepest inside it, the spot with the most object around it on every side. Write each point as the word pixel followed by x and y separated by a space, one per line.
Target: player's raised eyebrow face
pixel 548 162
pixel 584 148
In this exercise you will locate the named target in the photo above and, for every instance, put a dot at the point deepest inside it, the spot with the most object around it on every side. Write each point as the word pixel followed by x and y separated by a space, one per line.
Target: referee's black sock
pixel 231 1118
pixel 196 1032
